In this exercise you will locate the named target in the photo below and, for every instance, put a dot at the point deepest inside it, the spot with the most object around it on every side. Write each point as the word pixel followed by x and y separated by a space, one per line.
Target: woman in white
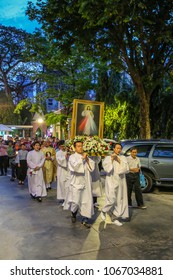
pixel 88 125
pixel 35 161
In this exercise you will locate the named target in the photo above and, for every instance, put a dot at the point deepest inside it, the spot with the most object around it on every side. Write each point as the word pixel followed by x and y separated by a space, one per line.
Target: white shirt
pixel 133 162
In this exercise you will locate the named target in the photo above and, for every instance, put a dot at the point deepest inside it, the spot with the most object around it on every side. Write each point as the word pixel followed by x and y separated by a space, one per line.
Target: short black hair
pixel 36 142
pixel 61 142
pixel 22 144
pixel 133 148
pixel 117 144
pixel 77 142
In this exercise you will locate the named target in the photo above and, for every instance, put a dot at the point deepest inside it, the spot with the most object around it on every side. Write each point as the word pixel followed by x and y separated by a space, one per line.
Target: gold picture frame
pixel 87 118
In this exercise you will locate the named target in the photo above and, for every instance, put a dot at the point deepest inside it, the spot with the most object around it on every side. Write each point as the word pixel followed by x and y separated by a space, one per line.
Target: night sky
pixel 12 13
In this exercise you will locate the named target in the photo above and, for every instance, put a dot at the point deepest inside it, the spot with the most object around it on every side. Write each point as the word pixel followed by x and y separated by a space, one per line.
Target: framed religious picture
pixel 87 118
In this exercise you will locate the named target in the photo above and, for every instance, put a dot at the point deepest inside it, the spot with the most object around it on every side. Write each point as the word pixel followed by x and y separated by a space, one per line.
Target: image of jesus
pixel 87 126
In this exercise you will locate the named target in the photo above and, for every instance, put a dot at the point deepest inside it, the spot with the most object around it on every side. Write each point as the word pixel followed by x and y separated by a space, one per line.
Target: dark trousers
pixel 133 183
pixel 22 170
pixel 13 170
pixel 3 164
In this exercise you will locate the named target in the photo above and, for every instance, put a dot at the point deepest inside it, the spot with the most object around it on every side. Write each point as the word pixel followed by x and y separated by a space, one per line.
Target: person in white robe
pixel 87 125
pixel 35 162
pixel 116 201
pixel 81 200
pixel 96 180
pixel 62 171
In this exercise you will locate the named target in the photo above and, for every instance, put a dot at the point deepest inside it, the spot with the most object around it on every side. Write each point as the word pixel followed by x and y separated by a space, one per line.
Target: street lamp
pixel 40 120
pixel 40 128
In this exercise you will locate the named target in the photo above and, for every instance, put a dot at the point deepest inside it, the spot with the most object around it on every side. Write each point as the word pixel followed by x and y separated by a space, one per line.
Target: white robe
pixel 62 173
pixel 36 182
pixel 96 179
pixel 116 187
pixel 80 191
pixel 88 125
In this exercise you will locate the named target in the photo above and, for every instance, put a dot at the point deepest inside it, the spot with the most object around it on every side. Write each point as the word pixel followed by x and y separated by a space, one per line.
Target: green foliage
pixel 122 118
pixel 67 76
pixel 161 111
pixel 53 118
pixel 25 103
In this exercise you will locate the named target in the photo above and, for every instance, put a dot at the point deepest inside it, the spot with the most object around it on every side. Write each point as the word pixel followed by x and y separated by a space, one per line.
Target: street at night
pixel 33 230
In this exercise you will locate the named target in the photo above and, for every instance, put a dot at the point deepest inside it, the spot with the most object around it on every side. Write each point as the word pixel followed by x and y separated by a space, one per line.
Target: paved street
pixel 43 231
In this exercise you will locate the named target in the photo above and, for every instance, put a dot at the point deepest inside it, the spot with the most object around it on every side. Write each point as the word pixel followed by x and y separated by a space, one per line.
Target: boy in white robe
pixel 62 171
pixel 116 167
pixel 81 199
pixel 35 162
pixel 96 180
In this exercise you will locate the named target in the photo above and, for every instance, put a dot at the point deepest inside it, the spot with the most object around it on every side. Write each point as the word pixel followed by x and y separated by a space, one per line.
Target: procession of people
pixel 77 176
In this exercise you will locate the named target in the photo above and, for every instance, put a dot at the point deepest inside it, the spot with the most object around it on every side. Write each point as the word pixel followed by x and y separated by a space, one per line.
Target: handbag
pixel 142 179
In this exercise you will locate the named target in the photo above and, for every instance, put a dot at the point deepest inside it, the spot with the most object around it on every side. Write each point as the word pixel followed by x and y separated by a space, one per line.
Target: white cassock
pixel 36 182
pixel 62 172
pixel 95 176
pixel 116 187
pixel 80 186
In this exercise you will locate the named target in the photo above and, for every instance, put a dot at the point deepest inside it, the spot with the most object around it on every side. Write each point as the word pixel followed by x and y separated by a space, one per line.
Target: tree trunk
pixel 7 89
pixel 145 131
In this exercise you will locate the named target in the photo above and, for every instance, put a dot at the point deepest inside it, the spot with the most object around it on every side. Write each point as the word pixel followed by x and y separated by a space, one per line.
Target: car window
pixel 163 151
pixel 143 150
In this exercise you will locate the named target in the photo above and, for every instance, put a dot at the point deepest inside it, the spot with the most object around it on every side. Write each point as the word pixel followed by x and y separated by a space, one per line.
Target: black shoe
pixel 2 174
pixel 73 219
pixel 73 216
pixel 12 179
pixel 85 224
pixel 32 196
pixel 39 198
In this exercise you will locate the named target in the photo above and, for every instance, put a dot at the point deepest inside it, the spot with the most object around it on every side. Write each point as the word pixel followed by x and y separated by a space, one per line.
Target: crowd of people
pixel 77 175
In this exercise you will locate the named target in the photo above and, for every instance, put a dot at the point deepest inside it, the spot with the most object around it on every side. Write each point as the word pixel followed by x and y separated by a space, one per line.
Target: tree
pixel 161 110
pixel 64 77
pixel 17 74
pixel 6 110
pixel 132 35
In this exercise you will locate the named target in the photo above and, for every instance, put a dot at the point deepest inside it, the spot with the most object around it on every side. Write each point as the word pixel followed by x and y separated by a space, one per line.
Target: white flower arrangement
pixel 92 145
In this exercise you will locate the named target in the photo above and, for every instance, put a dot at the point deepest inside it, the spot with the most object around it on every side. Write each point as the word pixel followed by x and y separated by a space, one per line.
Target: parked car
pixel 156 158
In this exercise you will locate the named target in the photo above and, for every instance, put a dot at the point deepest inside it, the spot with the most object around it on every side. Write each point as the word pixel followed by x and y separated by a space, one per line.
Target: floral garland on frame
pixel 92 145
